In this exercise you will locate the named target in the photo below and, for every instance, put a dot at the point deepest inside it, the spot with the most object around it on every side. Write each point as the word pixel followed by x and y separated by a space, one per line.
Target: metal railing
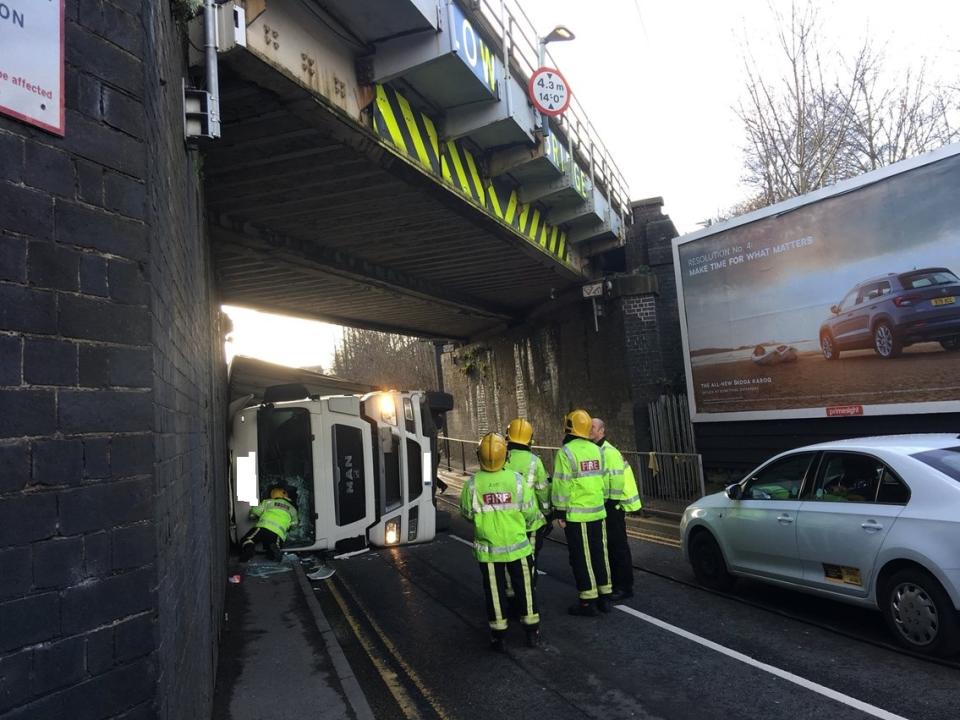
pixel 517 40
pixel 667 482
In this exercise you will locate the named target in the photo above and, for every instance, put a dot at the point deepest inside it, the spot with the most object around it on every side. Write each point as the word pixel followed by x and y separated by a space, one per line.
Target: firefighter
pixel 503 511
pixel 522 460
pixel 621 496
pixel 577 500
pixel 274 518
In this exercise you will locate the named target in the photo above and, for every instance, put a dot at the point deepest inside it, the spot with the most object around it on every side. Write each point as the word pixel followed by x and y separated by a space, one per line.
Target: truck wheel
pixel 709 567
pixel 919 613
pixel 443 521
pixel 885 341
pixel 951 344
pixel 829 347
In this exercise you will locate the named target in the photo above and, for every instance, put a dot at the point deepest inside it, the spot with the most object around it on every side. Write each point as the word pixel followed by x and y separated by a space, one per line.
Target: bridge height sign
pixel 549 91
pixel 31 62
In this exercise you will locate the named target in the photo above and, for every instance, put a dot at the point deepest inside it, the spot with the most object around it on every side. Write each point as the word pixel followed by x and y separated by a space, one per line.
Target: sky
pixel 660 81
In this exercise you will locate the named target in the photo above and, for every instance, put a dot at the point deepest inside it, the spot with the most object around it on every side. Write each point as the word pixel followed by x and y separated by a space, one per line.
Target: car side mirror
pixel 735 491
pixel 835 309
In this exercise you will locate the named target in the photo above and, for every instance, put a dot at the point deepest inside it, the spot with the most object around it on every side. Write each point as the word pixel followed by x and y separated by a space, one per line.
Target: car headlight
pixel 392 534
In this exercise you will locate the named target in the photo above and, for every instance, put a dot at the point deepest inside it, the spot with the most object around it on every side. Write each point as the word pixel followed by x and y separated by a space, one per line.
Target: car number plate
pixel 943 301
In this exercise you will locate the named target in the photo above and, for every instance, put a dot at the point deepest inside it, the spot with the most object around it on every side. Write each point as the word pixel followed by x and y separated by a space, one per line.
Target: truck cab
pixel 361 469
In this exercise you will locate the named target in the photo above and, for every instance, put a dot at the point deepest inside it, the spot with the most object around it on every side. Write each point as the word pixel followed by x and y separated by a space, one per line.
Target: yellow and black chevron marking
pixel 408 130
pixel 415 135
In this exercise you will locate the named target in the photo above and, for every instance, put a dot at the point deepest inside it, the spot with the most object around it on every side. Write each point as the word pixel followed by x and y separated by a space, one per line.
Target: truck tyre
pixel 828 347
pixel 919 613
pixel 885 341
pixel 950 344
pixel 709 567
pixel 443 521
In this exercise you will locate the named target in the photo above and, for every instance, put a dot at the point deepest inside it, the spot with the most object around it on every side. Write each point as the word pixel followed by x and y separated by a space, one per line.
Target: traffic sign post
pixel 549 91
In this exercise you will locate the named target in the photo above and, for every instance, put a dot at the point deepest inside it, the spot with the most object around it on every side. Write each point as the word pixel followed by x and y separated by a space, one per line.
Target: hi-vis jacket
pixel 619 483
pixel 503 511
pixel 578 490
pixel 534 474
pixel 275 515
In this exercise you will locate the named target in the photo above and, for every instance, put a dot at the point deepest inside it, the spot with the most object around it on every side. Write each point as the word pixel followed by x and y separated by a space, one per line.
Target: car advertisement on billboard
pixel 842 302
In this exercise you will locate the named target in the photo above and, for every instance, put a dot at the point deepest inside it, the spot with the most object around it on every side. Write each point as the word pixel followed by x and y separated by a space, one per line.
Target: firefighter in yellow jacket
pixel 503 511
pixel 274 518
pixel 577 498
pixel 521 459
pixel 621 496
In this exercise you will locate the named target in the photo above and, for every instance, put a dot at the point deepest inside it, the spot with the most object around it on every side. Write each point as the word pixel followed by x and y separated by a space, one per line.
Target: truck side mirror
pixel 735 491
pixel 835 309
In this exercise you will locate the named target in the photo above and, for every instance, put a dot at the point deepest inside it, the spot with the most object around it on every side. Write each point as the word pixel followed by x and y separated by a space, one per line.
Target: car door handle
pixel 872 526
pixel 784 519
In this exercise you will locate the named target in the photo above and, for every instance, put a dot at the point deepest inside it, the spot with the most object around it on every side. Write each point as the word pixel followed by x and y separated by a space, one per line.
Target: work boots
pixel 584 608
pixel 533 637
pixel 498 642
pixel 603 604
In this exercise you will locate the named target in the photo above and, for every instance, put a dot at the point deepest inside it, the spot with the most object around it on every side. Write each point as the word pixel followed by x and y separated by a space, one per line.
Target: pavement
pixel 279 657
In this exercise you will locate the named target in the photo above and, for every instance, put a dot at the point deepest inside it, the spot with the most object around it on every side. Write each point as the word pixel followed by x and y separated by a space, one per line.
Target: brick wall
pixel 544 371
pixel 109 391
pixel 561 362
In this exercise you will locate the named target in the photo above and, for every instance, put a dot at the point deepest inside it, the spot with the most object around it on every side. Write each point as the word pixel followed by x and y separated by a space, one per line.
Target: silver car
pixel 870 521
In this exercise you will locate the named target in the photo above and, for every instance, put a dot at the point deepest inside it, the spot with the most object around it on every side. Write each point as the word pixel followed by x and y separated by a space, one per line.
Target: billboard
pixel 842 302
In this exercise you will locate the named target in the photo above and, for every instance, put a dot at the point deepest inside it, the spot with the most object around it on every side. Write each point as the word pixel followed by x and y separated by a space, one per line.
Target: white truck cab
pixel 361 469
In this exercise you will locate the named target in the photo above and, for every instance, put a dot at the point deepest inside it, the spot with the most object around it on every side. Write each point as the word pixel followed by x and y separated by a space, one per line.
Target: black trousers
pixel 621 562
pixel 269 540
pixel 587 543
pixel 494 576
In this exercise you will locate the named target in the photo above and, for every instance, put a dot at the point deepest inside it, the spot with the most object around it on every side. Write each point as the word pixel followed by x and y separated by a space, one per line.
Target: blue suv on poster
pixel 889 312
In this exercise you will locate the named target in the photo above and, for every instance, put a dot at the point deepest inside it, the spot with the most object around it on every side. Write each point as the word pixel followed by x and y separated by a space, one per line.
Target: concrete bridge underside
pixel 311 214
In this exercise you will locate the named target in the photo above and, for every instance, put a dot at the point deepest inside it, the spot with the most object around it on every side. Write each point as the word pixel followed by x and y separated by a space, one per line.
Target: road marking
pixel 392 649
pixel 658 539
pixel 407 706
pixel 790 677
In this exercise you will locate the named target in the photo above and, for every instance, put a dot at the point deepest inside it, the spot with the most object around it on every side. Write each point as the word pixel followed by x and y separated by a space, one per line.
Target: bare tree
pixel 824 117
pixel 385 360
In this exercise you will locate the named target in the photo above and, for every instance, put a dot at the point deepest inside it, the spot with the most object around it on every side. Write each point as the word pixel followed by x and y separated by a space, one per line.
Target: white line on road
pixel 796 679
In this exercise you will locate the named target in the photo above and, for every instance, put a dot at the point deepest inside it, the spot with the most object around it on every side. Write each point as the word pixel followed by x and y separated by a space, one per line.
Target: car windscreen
pixel 946 460
pixel 927 278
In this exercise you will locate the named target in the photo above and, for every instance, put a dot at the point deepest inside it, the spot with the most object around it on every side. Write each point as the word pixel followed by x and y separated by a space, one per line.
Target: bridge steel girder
pixel 452 268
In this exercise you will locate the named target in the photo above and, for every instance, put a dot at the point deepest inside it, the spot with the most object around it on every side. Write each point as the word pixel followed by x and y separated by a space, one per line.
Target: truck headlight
pixel 388 409
pixel 392 534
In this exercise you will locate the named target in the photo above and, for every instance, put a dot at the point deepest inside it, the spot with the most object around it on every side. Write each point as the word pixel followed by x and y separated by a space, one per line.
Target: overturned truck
pixel 361 468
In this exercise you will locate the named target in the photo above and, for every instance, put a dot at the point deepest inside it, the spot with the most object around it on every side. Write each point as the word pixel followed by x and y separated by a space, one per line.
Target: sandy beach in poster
pixel 924 373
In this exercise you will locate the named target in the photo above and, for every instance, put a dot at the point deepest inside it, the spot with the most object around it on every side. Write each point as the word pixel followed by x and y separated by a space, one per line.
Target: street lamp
pixel 561 33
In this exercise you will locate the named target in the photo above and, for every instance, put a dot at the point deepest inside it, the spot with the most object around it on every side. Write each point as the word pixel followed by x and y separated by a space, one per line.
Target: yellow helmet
pixel 492 452
pixel 520 431
pixel 577 422
pixel 279 492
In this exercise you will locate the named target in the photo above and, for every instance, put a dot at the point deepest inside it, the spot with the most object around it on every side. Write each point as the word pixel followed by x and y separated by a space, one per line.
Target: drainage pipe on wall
pixel 212 71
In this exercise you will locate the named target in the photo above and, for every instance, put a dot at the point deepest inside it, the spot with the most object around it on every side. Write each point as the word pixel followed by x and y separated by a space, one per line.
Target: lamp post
pixel 561 33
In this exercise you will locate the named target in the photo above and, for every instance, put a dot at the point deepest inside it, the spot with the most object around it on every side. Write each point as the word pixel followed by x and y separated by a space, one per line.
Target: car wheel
pixel 885 341
pixel 951 344
pixel 709 567
pixel 920 614
pixel 828 347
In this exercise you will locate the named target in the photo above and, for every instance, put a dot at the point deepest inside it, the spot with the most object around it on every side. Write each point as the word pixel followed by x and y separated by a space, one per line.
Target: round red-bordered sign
pixel 549 91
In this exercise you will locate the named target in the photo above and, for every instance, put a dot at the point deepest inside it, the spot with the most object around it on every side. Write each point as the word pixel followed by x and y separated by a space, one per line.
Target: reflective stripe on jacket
pixel 529 465
pixel 620 485
pixel 501 508
pixel 275 515
pixel 578 488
